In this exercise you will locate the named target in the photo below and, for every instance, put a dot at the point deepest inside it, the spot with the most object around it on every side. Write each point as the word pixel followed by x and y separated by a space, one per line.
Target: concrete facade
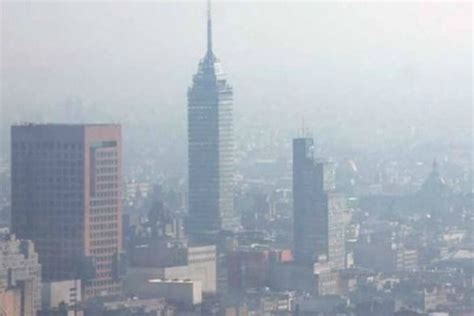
pixel 20 278
pixel 196 263
pixel 179 291
pixel 55 293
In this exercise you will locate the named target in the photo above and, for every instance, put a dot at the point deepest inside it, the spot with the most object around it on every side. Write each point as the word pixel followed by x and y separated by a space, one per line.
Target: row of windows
pixel 104 218
pixel 100 283
pixel 106 194
pixel 21 164
pixel 53 197
pixel 106 162
pixel 59 179
pixel 104 186
pixel 104 234
pixel 47 145
pixel 47 155
pixel 46 172
pixel 101 251
pixel 106 178
pixel 103 274
pixel 104 210
pixel 46 193
pixel 44 205
pixel 104 226
pixel 44 218
pixel 106 154
pixel 107 258
pixel 104 242
pixel 106 170
pixel 104 202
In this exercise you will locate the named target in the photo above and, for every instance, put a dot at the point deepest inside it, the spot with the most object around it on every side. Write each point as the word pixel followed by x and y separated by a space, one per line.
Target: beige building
pixel 202 267
pixel 20 278
pixel 197 263
pixel 326 279
pixel 53 294
pixel 177 291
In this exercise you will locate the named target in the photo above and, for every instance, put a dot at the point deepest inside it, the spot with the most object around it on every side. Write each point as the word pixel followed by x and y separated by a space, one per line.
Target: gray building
pixel 318 221
pixel 210 148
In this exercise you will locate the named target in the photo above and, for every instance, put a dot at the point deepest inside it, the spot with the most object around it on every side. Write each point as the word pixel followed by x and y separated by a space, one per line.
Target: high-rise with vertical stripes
pixel 210 147
pixel 317 209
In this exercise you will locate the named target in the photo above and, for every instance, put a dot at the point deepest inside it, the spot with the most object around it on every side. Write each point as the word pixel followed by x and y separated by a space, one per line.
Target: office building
pixel 318 220
pixel 66 198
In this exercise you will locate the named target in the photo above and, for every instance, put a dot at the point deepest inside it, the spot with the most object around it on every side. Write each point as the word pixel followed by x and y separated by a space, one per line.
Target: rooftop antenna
pixel 209 28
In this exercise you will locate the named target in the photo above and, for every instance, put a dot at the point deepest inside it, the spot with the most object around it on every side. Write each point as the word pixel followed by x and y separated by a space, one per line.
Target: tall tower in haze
pixel 317 209
pixel 210 147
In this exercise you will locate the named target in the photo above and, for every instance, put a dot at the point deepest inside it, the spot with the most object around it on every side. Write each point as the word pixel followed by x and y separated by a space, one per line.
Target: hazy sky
pixel 396 65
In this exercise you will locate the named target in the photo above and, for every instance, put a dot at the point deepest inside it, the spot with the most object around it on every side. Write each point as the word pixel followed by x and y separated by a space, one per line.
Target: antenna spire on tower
pixel 209 28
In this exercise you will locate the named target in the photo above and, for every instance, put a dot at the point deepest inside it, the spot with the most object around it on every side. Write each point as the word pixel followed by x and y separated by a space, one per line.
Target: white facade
pixel 55 293
pixel 177 291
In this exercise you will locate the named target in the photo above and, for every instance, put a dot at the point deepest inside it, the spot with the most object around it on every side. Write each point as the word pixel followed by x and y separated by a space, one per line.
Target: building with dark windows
pixel 66 197
pixel 318 221
pixel 210 148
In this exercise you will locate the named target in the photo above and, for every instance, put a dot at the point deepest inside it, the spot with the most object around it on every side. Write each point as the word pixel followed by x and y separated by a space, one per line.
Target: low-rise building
pixel 182 292
pixel 61 298
pixel 326 279
pixel 163 261
pixel 60 292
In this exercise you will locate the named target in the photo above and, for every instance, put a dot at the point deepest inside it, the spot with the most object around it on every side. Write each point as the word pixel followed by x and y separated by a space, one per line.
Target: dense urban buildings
pixel 210 147
pixel 20 278
pixel 66 198
pixel 317 208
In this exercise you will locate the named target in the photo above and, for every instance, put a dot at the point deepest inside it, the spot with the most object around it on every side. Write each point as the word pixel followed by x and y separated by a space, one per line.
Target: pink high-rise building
pixel 66 198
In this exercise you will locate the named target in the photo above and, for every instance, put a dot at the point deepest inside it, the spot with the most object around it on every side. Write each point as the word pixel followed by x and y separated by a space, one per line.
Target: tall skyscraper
pixel 66 198
pixel 210 147
pixel 317 208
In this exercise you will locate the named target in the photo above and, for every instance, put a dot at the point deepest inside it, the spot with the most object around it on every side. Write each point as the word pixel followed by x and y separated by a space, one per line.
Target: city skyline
pixel 367 209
